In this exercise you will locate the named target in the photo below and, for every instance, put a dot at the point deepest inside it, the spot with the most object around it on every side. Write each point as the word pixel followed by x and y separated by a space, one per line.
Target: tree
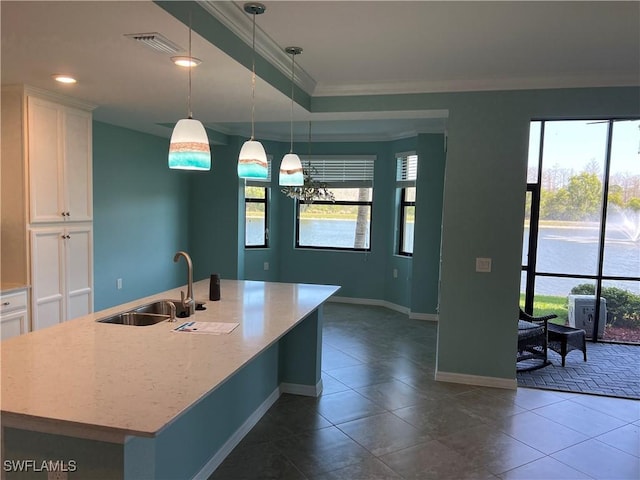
pixel 634 204
pixel 585 196
pixel 554 205
pixel 616 196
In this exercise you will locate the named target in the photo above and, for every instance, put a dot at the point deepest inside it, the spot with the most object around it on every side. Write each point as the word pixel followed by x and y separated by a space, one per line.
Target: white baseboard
pixel 507 383
pixel 215 461
pixel 298 389
pixel 370 301
pixel 432 317
pixel 429 317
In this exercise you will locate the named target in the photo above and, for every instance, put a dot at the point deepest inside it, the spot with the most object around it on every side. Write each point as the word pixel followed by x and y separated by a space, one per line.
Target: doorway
pixel 582 226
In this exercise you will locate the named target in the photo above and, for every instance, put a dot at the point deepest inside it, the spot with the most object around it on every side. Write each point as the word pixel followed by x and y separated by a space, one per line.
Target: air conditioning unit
pixel 582 311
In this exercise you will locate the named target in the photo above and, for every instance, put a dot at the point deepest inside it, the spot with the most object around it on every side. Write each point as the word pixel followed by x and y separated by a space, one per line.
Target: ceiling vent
pixel 156 41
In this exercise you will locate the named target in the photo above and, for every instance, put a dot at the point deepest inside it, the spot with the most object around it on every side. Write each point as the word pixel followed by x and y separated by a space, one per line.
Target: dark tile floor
pixel 382 416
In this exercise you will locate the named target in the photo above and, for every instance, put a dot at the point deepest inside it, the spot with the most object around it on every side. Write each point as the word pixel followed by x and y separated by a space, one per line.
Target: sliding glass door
pixel 582 226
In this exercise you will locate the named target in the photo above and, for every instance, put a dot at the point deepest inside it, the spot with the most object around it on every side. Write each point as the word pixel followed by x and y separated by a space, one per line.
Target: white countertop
pixel 119 379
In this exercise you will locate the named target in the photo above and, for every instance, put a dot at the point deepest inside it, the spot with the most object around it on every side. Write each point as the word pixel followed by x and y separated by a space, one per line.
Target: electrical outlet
pixel 483 265
pixel 119 284
pixel 266 265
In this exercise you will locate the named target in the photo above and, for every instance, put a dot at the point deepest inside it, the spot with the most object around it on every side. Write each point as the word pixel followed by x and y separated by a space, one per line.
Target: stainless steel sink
pixel 149 314
pixel 161 307
pixel 135 318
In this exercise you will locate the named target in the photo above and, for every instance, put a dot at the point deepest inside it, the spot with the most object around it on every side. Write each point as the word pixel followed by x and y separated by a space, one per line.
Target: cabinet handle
pixel 66 236
pixel 4 304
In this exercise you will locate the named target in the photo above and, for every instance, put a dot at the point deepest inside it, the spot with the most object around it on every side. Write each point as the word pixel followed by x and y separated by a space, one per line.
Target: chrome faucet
pixel 172 310
pixel 188 303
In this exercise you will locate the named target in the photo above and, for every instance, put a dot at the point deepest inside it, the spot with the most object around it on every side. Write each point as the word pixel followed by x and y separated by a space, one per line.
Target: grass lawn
pixel 547 304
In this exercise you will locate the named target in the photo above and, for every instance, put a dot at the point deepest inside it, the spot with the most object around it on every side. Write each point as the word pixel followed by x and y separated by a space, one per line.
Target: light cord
pixel 189 113
pixel 253 77
pixel 293 66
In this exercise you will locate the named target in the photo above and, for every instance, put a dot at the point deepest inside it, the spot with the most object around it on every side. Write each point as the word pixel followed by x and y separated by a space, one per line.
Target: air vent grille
pixel 156 41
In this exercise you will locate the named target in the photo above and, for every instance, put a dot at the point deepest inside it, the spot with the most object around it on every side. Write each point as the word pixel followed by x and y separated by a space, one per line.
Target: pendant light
pixel 189 146
pixel 291 174
pixel 252 161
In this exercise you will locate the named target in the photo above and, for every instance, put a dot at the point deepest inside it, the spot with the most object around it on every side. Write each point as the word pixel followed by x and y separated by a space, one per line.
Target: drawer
pixel 13 301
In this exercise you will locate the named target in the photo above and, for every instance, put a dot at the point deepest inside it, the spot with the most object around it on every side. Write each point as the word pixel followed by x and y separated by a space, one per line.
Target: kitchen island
pixel 120 401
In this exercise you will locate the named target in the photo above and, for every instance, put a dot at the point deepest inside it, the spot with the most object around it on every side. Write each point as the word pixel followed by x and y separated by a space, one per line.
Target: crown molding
pixel 489 84
pixel 240 24
pixel 50 95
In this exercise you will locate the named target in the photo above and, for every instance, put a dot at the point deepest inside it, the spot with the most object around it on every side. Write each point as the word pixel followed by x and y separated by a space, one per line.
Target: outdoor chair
pixel 532 341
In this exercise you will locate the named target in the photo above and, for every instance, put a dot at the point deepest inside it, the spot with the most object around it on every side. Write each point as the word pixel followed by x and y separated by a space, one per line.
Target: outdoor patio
pixel 611 369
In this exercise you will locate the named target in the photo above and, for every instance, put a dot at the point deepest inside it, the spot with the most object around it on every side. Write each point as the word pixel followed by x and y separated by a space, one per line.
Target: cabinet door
pixel 77 165
pixel 47 276
pixel 79 271
pixel 45 161
pixel 13 324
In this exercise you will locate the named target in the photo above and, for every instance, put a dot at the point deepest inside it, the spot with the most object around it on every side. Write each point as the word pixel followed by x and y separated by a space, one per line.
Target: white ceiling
pixel 350 48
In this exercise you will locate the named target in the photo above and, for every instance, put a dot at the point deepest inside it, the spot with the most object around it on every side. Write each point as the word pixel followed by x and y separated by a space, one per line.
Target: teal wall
pixel 424 284
pixel 361 274
pixel 163 211
pixel 475 192
pixel 140 215
pixel 255 258
pixel 213 215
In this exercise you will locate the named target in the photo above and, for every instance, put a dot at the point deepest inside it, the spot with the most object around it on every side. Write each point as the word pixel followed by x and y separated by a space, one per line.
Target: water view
pixel 574 250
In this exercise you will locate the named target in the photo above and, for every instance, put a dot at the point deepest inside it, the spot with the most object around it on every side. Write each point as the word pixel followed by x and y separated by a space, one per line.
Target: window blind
pixel 406 169
pixel 341 170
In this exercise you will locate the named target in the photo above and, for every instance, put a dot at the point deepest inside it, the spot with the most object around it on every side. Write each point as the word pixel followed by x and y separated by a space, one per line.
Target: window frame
pixel 266 185
pixel 406 176
pixel 265 202
pixel 357 203
pixel 339 172
pixel 404 203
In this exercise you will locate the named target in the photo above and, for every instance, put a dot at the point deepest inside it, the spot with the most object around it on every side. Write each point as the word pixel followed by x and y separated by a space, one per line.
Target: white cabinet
pixel 14 316
pixel 46 208
pixel 59 159
pixel 62 273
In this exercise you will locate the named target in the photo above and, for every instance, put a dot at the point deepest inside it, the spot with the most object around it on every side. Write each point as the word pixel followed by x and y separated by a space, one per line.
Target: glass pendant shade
pixel 291 174
pixel 252 161
pixel 189 147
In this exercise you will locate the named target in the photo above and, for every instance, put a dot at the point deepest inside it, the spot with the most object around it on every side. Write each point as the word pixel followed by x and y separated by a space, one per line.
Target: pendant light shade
pixel 189 147
pixel 291 174
pixel 252 161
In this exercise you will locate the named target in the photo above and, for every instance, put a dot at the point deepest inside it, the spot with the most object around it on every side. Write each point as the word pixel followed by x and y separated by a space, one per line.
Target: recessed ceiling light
pixel 62 78
pixel 186 61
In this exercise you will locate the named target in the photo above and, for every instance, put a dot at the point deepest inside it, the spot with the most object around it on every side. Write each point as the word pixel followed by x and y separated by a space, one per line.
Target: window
pixel 343 224
pixel 582 224
pixel 256 211
pixel 406 174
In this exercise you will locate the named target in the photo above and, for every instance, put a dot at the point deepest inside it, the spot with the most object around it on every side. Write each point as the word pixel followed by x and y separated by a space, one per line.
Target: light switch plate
pixel 483 265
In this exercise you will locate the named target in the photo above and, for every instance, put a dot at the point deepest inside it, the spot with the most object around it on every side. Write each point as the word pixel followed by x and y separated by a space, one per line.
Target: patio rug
pixel 611 369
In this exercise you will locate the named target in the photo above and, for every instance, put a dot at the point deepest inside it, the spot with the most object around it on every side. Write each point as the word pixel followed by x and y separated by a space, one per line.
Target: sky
pixel 573 144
